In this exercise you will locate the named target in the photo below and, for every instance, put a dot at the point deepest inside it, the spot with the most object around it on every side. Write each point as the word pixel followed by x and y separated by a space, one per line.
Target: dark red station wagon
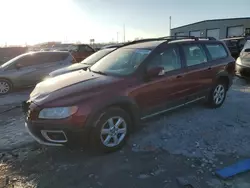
pixel 137 81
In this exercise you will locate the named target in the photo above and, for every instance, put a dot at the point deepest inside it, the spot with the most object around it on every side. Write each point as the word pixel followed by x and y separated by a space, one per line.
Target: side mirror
pixel 155 72
pixel 247 50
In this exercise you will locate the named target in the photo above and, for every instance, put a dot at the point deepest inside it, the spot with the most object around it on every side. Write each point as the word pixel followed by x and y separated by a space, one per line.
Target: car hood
pixel 78 84
pixel 67 69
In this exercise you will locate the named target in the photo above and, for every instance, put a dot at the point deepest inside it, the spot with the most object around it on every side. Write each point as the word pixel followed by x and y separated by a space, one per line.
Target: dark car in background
pixel 243 61
pixel 81 51
pixel 235 45
pixel 89 61
pixel 30 68
pixel 137 81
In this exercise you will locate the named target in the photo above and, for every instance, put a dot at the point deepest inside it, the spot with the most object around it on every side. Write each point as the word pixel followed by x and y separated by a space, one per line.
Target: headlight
pixel 57 113
pixel 238 61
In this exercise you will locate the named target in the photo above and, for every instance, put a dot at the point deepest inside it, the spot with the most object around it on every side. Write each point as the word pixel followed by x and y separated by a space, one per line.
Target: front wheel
pixel 218 95
pixel 5 87
pixel 111 130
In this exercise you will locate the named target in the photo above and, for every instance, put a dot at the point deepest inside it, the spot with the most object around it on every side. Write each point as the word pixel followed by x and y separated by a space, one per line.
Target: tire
pixel 217 95
pixel 106 136
pixel 5 87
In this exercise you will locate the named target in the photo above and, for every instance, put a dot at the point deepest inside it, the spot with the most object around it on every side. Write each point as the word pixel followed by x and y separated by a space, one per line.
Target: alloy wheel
pixel 219 94
pixel 4 87
pixel 113 131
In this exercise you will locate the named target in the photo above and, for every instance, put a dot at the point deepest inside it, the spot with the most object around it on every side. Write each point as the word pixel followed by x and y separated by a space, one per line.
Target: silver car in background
pixel 30 68
pixel 86 63
pixel 243 62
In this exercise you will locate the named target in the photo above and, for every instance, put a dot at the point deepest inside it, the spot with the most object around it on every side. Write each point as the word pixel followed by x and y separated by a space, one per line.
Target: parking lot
pixel 189 143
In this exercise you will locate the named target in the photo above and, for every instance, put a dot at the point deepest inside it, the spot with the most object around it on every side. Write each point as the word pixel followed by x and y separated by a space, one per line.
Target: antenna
pixel 124 34
pixel 170 19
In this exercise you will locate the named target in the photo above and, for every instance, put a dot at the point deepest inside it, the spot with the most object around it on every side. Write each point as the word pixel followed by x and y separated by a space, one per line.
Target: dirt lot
pixel 189 143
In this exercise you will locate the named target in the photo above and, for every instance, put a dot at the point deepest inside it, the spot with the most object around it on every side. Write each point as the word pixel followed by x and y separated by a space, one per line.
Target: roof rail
pixel 167 38
pixel 187 37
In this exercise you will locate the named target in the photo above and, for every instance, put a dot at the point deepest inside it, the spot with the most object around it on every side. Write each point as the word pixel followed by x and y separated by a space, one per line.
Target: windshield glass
pixel 121 62
pixel 97 56
pixel 8 63
pixel 247 45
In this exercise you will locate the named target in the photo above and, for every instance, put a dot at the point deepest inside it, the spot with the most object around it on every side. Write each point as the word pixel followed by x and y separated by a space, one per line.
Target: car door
pixel 51 61
pixel 27 69
pixel 198 76
pixel 165 91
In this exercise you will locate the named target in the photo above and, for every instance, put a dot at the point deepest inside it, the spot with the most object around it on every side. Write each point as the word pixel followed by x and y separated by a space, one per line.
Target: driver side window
pixel 26 61
pixel 169 59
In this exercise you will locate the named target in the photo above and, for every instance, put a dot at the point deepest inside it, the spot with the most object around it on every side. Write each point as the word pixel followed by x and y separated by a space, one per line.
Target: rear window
pixel 216 51
pixel 231 43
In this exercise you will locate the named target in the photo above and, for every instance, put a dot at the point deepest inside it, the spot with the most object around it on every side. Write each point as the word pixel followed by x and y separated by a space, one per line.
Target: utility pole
pixel 117 35
pixel 124 34
pixel 170 19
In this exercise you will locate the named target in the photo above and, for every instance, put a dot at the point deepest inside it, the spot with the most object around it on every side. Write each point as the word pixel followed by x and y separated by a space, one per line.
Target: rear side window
pixel 85 48
pixel 216 51
pixel 231 43
pixel 195 55
pixel 28 60
pixel 54 57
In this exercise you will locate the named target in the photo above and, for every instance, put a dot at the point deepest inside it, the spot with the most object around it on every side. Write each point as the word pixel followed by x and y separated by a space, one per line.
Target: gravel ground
pixel 189 143
pixel 15 97
pixel 197 131
pixel 12 131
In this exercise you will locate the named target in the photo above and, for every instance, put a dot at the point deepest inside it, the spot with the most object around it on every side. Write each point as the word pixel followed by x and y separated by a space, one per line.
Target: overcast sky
pixel 35 21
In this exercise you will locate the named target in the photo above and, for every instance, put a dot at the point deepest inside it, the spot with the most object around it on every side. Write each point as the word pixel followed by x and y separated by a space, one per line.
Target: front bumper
pixel 243 71
pixel 55 132
pixel 57 135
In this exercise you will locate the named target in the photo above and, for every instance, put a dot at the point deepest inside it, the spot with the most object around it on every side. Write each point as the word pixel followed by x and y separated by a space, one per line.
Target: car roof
pixel 47 52
pixel 145 45
pixel 234 38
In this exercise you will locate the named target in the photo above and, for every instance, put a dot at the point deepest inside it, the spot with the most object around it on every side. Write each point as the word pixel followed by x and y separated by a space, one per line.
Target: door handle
pixel 209 68
pixel 179 76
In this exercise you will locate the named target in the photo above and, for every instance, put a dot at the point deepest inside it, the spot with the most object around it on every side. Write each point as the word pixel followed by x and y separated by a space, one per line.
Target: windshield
pixel 8 63
pixel 96 56
pixel 121 62
pixel 247 45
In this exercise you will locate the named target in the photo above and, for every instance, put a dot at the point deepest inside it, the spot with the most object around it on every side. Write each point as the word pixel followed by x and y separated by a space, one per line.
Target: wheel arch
pixel 225 77
pixel 125 103
pixel 9 81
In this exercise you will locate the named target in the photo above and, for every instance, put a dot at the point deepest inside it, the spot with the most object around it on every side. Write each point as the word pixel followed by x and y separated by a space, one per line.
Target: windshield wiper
pixel 98 72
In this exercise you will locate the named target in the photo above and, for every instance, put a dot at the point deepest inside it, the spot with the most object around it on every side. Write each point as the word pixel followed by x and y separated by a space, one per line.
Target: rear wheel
pixel 218 94
pixel 5 86
pixel 111 130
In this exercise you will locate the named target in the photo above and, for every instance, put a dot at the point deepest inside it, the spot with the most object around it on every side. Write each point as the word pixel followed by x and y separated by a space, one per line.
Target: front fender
pixel 119 101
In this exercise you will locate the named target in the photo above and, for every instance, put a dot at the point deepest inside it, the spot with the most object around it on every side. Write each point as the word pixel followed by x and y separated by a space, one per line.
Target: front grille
pixel 25 106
